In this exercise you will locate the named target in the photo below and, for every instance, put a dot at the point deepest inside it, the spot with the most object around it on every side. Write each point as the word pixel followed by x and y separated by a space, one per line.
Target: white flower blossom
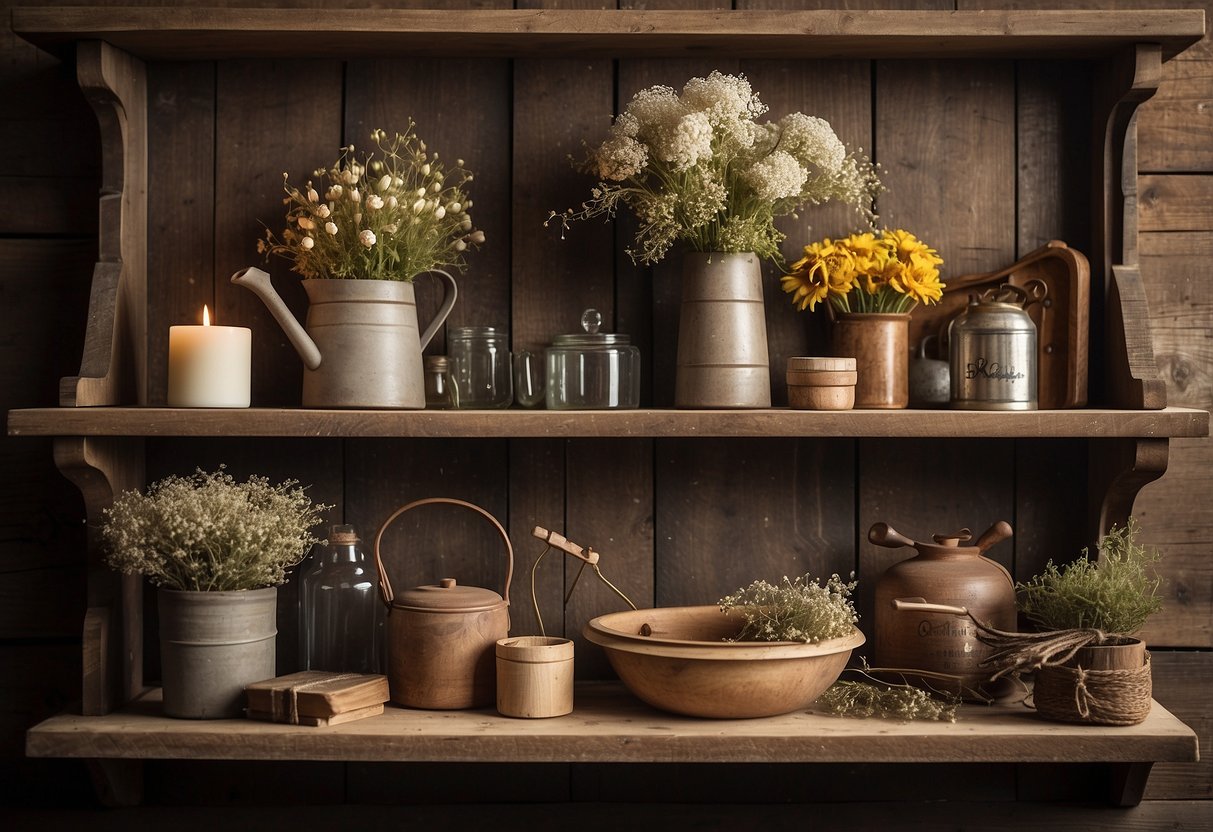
pixel 418 206
pixel 454 207
pixel 366 237
pixel 330 227
pixel 776 177
pixel 477 237
pixel 390 228
pixel 392 202
pixel 385 182
pixel 460 245
pixel 348 177
pixel 374 202
pixel 355 196
pixel 439 212
pixel 305 223
pixel 307 243
pixel 812 141
pixel 323 211
pixel 690 142
pixel 312 196
pixel 620 157
pixel 333 193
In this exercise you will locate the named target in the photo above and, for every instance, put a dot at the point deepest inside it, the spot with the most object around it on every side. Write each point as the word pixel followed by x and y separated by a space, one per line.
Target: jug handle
pixel 385 585
pixel 448 303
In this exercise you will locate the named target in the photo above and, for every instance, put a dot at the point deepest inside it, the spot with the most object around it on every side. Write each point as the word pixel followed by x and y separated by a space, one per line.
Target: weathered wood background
pixel 985 159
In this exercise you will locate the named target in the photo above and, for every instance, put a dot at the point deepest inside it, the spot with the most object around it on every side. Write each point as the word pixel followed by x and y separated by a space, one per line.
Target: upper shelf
pixel 156 421
pixel 198 34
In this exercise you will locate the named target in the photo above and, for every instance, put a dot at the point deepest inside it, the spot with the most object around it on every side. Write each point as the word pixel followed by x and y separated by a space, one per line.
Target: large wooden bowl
pixel 683 664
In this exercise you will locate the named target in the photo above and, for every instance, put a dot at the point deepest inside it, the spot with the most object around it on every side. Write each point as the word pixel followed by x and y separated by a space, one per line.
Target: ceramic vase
pixel 722 333
pixel 879 343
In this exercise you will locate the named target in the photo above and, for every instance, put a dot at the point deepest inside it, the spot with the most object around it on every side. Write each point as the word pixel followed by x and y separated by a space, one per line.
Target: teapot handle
pixel 385 585
pixel 882 534
pixel 448 303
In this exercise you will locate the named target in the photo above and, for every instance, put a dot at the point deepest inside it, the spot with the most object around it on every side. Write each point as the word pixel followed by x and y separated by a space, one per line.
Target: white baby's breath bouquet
pixel 697 168
pixel 207 532
pixel 390 216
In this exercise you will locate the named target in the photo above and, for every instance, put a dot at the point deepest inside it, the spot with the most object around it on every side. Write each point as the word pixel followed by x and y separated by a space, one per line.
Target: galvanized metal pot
pixel 212 644
pixel 722 333
pixel 362 346
pixel 879 343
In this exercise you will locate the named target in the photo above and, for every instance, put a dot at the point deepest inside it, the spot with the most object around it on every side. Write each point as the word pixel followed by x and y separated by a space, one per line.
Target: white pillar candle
pixel 209 366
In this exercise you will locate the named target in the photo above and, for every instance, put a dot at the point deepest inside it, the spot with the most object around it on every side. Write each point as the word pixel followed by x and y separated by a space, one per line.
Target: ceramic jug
pixel 361 347
pixel 916 624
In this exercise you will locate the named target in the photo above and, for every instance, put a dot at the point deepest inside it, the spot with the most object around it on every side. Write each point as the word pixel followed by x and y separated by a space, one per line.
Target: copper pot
pixel 441 637
pixel 917 600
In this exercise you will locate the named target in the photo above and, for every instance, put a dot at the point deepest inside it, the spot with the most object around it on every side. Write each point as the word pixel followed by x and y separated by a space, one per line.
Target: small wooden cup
pixel 821 383
pixel 534 677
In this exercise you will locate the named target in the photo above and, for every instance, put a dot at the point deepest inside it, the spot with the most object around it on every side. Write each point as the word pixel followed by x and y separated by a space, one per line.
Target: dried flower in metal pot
pixel 387 217
pixel 697 168
pixel 207 532
pixel 799 609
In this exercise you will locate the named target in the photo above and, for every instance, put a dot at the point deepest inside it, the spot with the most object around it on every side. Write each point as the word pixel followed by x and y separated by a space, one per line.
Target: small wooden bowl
pixel 684 666
pixel 821 383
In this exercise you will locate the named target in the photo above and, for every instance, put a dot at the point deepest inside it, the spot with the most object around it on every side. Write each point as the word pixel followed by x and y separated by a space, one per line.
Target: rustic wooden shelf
pixel 610 725
pixel 191 34
pixel 157 421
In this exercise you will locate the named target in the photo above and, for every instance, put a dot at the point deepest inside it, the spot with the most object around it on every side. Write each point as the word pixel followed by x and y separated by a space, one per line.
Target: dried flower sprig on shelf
pixel 891 272
pixel 799 609
pixel 387 217
pixel 697 168
pixel 207 532
pixel 902 702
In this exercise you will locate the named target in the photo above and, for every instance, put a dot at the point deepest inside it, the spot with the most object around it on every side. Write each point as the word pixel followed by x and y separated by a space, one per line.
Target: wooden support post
pixel 1123 326
pixel 118 783
pixel 1127 783
pixel 1119 469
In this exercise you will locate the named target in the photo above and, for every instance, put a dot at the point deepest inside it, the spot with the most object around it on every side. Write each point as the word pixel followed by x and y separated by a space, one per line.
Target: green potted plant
pixel 217 549
pixel 1090 666
pixel 699 170
pixel 359 237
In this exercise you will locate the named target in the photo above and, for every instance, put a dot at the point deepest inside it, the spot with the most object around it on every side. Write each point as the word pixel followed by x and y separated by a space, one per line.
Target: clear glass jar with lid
pixel 592 370
pixel 480 368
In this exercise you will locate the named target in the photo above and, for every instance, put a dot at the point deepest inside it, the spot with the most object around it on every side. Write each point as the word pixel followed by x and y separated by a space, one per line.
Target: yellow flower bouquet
pixel 890 272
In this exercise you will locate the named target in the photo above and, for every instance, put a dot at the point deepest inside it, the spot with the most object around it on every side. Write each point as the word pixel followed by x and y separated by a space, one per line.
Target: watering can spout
pixel 258 282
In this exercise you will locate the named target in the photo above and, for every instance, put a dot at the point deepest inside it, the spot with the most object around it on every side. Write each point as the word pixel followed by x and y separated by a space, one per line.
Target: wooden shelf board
pixel 609 725
pixel 194 34
pixel 156 421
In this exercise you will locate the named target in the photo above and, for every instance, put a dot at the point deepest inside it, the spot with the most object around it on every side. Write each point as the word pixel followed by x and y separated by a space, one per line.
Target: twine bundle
pixel 1069 694
pixel 1106 697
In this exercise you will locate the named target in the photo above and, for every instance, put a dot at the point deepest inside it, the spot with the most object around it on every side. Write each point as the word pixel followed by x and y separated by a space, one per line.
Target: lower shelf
pixel 609 725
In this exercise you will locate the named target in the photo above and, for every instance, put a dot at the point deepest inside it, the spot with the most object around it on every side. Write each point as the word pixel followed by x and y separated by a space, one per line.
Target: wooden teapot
pixel 916 623
pixel 441 637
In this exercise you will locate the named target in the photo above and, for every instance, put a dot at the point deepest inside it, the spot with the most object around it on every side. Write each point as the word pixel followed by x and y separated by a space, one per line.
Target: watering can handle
pixel 448 302
pixel 385 585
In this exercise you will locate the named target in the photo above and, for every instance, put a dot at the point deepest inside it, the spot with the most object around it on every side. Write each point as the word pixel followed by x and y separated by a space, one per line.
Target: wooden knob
pixel 447 583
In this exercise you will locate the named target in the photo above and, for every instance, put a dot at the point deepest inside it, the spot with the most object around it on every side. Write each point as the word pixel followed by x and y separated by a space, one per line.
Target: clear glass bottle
pixel 592 370
pixel 439 392
pixel 480 367
pixel 340 622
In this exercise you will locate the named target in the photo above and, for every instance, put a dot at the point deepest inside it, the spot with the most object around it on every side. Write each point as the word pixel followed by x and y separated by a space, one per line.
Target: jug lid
pixel 447 596
pixel 591 320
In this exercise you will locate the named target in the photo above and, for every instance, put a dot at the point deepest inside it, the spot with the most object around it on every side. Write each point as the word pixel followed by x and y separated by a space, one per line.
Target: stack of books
pixel 317 698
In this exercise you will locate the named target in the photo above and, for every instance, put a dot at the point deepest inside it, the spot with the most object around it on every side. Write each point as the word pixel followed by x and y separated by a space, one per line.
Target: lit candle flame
pixel 206 316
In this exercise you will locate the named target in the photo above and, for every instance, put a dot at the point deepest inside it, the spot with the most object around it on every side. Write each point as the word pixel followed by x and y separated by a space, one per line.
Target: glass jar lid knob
pixel 591 320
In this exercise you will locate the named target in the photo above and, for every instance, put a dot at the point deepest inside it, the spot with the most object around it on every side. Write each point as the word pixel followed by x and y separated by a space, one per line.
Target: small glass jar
pixel 480 369
pixel 439 392
pixel 592 370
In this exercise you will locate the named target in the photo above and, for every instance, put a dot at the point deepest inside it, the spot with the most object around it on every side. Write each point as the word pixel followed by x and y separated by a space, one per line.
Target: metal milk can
pixel 992 351
pixel 916 620
pixel 441 637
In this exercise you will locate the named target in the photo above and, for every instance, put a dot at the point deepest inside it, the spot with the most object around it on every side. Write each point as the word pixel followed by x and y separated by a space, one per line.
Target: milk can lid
pixel 448 596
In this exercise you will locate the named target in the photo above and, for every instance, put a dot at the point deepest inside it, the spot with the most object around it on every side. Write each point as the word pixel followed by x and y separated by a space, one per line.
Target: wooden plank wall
pixel 983 159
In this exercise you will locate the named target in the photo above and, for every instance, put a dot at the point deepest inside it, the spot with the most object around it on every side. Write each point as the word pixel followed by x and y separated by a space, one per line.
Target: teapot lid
pixel 591 320
pixel 447 596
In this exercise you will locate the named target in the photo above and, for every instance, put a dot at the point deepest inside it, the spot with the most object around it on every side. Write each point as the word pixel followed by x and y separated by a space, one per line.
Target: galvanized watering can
pixel 361 347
